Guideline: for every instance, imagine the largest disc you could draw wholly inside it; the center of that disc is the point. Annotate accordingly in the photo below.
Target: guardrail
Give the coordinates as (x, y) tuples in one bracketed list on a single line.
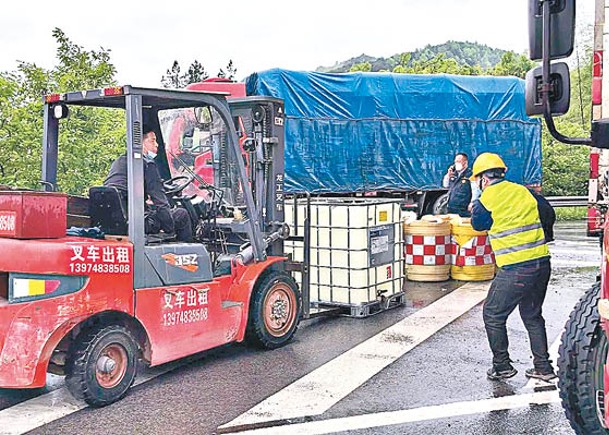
[(567, 201)]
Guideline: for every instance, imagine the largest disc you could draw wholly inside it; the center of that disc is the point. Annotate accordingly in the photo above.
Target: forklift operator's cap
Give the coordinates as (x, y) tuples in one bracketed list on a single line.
[(485, 162)]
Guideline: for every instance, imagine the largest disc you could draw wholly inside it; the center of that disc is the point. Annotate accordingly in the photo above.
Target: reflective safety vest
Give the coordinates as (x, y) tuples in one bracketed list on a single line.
[(516, 234)]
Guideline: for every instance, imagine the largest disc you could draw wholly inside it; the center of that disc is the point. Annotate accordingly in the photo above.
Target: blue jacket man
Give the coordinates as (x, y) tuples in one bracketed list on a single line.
[(459, 186)]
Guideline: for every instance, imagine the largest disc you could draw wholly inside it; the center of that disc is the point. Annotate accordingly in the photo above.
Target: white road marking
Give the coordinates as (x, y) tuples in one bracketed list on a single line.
[(580, 248), (38, 411), (44, 409), (588, 241), (575, 263), (591, 251), (322, 388), (383, 419)]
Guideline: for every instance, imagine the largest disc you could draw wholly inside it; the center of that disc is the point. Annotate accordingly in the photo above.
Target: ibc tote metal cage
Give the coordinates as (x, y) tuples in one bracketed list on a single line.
[(354, 264)]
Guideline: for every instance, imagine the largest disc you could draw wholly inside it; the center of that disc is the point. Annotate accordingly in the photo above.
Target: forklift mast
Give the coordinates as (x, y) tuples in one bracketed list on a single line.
[(263, 121)]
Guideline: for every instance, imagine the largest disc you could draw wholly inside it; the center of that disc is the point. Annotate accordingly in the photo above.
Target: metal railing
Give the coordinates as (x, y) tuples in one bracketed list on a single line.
[(568, 201)]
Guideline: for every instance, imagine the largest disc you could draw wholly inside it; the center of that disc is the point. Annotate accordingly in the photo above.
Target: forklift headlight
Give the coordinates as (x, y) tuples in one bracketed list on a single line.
[(27, 287), (60, 111)]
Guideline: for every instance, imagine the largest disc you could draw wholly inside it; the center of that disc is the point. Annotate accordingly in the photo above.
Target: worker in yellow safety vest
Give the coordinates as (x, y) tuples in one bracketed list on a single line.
[(519, 225)]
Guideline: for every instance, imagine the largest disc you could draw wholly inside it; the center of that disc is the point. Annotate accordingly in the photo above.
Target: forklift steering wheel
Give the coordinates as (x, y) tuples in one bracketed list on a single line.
[(177, 184)]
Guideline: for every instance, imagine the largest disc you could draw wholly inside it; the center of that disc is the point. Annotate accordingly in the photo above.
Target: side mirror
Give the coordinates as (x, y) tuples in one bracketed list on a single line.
[(203, 117), (560, 90), (600, 133), (562, 28)]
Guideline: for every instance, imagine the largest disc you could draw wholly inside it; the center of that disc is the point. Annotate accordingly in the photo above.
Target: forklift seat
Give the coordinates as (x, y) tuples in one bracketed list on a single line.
[(107, 210)]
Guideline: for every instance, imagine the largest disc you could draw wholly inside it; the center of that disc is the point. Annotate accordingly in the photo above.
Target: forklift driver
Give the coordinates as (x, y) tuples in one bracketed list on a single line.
[(159, 214)]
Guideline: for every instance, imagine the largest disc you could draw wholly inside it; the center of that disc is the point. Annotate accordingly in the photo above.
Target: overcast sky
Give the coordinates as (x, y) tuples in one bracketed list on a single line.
[(145, 37)]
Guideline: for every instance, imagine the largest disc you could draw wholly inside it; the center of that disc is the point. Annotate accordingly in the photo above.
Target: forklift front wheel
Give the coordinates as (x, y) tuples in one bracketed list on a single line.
[(102, 365), (274, 311)]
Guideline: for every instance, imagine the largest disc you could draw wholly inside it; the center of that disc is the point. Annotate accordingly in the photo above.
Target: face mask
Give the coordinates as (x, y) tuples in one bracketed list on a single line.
[(151, 155), (458, 167), (476, 192)]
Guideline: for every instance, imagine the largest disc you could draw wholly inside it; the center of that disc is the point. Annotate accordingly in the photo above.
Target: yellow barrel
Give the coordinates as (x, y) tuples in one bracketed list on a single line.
[(473, 258), (427, 249)]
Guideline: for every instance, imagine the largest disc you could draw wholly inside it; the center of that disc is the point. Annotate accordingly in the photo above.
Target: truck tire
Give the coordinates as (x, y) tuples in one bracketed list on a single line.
[(440, 205), (275, 310), (102, 365), (581, 361)]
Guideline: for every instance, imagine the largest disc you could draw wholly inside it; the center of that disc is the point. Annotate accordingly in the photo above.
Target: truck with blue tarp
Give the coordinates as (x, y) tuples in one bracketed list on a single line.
[(396, 134)]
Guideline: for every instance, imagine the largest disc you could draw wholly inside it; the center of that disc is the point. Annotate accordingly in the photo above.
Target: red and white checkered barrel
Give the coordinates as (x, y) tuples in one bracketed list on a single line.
[(428, 249), (473, 258)]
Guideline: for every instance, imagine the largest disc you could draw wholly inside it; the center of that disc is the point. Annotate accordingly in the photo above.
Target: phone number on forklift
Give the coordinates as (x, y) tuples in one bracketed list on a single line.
[(186, 316), (99, 268)]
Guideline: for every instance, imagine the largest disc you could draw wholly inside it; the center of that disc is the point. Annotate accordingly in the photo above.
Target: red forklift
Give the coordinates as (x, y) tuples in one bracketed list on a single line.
[(93, 305)]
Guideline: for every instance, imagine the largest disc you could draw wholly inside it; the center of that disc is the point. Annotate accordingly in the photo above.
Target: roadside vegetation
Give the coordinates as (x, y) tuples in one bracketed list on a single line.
[(570, 213)]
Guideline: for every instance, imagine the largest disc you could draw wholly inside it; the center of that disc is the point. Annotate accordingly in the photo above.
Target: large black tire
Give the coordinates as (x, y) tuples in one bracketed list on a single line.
[(102, 365), (440, 205), (581, 361), (275, 310)]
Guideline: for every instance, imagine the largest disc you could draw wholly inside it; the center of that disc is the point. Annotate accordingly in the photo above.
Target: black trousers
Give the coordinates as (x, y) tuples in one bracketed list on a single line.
[(181, 223), (522, 286)]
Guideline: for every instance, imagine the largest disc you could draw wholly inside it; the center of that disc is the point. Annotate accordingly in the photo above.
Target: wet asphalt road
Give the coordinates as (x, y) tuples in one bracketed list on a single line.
[(449, 367)]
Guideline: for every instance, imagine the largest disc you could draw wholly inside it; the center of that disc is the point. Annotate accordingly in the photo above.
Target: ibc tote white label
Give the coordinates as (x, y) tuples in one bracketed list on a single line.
[(7, 223), (379, 244)]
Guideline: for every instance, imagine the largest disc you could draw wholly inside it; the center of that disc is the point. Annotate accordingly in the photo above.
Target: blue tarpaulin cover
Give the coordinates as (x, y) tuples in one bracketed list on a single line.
[(359, 132)]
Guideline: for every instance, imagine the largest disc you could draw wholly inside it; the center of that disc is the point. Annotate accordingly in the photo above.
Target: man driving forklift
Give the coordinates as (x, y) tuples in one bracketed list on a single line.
[(159, 214)]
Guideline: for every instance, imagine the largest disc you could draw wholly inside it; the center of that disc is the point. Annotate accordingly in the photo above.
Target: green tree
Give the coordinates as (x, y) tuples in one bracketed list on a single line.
[(361, 67), (512, 64), (173, 78), (439, 64), (89, 139), (230, 72), (196, 73), (565, 167), (402, 64)]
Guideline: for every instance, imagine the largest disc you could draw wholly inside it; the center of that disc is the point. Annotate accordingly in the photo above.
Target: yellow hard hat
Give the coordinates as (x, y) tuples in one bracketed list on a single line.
[(486, 161)]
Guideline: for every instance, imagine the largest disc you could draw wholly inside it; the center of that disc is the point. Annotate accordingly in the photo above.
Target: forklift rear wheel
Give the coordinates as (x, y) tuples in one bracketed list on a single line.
[(581, 364), (274, 311), (102, 365)]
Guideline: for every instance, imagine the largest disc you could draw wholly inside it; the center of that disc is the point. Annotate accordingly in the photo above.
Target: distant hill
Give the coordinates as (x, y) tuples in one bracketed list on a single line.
[(465, 53)]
